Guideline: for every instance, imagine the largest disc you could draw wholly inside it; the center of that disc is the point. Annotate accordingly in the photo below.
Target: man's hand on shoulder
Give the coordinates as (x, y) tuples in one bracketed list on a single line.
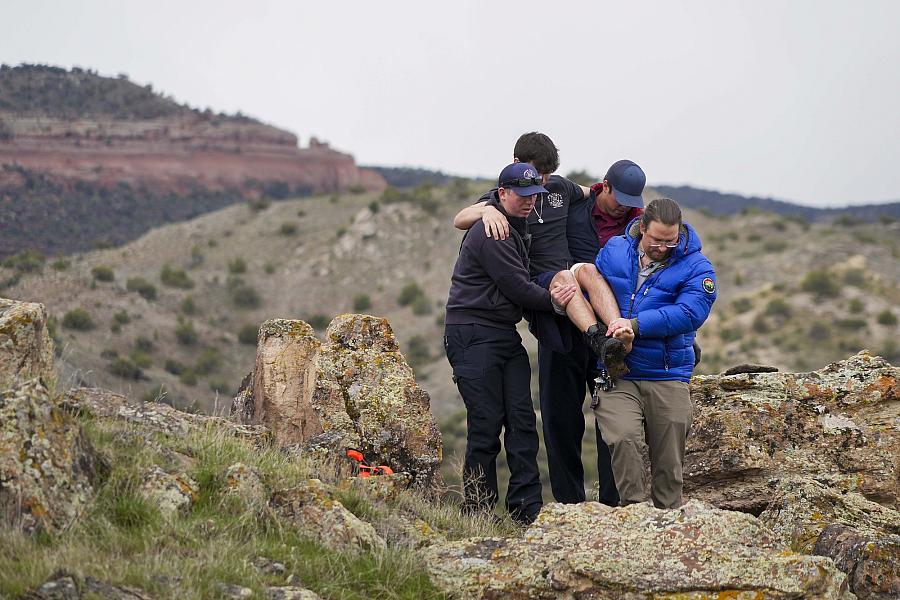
[(496, 225)]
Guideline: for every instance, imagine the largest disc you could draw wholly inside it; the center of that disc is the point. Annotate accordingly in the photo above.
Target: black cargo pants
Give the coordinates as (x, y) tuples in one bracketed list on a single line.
[(493, 375)]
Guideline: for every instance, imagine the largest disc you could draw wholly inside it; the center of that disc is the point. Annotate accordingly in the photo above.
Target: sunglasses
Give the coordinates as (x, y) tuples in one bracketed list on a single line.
[(522, 182)]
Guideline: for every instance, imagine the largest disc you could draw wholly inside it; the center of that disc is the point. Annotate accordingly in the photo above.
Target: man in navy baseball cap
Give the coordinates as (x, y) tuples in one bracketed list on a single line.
[(627, 181), (522, 178)]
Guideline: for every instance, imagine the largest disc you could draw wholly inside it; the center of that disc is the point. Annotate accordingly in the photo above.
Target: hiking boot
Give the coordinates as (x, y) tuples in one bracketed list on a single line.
[(609, 350)]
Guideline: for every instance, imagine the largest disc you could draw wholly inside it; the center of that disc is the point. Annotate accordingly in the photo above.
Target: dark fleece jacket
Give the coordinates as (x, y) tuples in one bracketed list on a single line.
[(490, 283)]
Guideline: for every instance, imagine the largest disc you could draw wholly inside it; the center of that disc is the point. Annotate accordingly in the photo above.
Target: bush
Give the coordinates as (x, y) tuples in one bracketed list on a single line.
[(209, 361), (26, 261), (258, 204), (121, 317), (856, 306), (374, 206), (245, 296), (103, 273), (175, 277), (188, 306), (269, 268), (362, 302), (237, 266), (417, 352), (318, 321), (741, 305), (188, 377), (852, 323), (144, 344), (774, 246), (141, 359), (143, 287), (78, 319), (220, 386), (288, 229), (421, 306), (730, 334), (186, 334), (248, 334), (409, 294), (174, 367), (821, 283), (61, 264), (855, 277), (887, 317), (124, 368), (778, 307)]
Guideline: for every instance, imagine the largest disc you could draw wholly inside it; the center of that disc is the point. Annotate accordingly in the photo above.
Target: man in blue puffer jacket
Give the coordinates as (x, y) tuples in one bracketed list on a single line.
[(665, 288)]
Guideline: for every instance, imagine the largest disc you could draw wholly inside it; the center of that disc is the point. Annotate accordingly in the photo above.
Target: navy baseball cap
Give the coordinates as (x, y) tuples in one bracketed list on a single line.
[(521, 177), (627, 181)]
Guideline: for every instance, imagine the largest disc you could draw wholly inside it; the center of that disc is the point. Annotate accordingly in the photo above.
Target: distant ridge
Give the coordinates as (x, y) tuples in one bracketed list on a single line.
[(719, 204), (407, 177)]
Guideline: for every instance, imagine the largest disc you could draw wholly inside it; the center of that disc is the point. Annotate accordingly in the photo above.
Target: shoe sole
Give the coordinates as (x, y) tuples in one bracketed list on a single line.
[(614, 358)]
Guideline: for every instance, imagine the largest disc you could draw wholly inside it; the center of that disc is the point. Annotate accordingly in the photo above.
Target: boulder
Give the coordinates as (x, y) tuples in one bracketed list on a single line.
[(316, 513), (47, 465), (25, 347), (355, 390), (172, 494), (290, 593), (244, 482), (68, 586), (840, 424), (590, 550), (862, 537)]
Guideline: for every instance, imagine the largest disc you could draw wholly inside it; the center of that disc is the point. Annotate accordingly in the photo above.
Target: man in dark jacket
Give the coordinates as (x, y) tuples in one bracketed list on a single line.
[(489, 288), (666, 289)]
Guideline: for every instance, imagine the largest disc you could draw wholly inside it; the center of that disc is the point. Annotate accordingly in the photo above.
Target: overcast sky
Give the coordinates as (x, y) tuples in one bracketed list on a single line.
[(796, 100)]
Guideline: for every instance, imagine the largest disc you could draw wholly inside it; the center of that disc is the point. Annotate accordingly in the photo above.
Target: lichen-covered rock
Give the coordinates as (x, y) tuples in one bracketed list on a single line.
[(355, 390), (172, 494), (590, 550), (244, 482), (316, 513), (291, 593), (840, 423), (68, 586), (26, 351), (862, 537), (47, 465)]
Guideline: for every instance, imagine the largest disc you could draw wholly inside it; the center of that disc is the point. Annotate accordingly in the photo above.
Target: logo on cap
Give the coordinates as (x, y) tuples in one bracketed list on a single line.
[(529, 173)]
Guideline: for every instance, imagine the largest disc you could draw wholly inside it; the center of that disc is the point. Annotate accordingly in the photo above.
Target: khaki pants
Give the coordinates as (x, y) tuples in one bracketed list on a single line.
[(655, 414)]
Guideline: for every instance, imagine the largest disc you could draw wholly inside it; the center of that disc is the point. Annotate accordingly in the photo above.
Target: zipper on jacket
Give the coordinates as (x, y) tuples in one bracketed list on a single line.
[(666, 354)]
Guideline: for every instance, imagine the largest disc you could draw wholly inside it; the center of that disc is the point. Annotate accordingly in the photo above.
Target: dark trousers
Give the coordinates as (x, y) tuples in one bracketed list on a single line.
[(493, 375), (564, 379)]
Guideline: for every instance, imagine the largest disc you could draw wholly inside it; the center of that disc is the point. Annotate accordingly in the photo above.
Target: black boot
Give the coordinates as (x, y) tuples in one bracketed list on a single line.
[(609, 350)]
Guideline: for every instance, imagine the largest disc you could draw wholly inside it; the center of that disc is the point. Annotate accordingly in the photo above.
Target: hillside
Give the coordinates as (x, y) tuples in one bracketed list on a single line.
[(87, 160), (792, 294)]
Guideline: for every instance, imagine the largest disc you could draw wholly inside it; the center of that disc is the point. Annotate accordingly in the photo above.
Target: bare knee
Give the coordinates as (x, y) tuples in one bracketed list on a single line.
[(564, 278)]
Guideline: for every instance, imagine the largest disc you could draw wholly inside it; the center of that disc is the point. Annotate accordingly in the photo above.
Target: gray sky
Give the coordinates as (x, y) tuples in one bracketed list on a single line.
[(797, 100)]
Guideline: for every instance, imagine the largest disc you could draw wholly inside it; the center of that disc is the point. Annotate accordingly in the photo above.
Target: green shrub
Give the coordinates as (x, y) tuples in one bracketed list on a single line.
[(374, 206), (245, 296), (774, 246), (356, 189), (417, 352), (61, 264), (409, 294), (174, 367), (26, 261), (318, 321), (730, 334), (144, 344), (175, 277), (248, 334), (288, 229), (887, 317), (188, 306), (851, 323), (103, 273), (220, 386), (143, 287), (741, 305), (109, 353), (269, 268), (237, 266), (819, 331), (362, 302), (821, 283), (760, 323), (856, 306), (341, 232), (210, 360), (124, 368), (422, 306), (778, 307), (78, 319), (141, 359), (186, 334), (188, 377), (258, 204), (121, 317)]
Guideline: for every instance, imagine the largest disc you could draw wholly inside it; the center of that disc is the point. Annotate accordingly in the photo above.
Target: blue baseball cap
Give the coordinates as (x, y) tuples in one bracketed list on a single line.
[(522, 178), (627, 181)]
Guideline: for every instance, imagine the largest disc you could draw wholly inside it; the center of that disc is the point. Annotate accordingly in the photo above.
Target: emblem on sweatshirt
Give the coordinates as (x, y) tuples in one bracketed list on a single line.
[(555, 199), (709, 286)]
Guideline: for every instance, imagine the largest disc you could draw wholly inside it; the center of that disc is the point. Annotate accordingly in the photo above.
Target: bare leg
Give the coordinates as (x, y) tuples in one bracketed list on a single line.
[(601, 297), (578, 310)]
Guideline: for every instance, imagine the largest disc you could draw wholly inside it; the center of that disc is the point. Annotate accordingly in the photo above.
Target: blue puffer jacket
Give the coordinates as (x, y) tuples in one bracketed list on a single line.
[(671, 305)]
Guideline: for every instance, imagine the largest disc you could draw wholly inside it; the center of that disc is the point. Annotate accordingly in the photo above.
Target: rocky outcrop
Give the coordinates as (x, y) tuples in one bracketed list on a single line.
[(172, 494), (840, 424), (592, 551), (355, 390), (69, 586), (47, 466), (25, 347), (312, 509), (862, 537)]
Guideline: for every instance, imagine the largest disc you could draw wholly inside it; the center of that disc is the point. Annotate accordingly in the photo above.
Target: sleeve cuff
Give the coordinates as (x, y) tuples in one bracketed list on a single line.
[(634, 326)]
